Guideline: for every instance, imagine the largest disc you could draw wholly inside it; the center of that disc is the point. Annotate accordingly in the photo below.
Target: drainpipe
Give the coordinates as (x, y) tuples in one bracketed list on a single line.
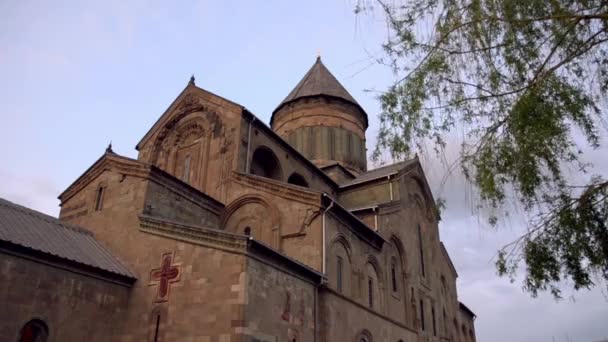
[(317, 330), (324, 247), (390, 185), (248, 145), (376, 219)]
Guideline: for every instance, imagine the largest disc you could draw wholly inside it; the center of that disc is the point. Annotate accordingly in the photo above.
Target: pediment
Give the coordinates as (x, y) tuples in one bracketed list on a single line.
[(192, 99)]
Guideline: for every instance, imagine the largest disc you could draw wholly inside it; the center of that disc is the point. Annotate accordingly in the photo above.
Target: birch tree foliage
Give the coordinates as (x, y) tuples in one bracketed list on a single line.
[(526, 80)]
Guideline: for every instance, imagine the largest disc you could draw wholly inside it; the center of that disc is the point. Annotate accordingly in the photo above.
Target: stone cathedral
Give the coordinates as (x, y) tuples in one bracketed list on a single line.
[(225, 229)]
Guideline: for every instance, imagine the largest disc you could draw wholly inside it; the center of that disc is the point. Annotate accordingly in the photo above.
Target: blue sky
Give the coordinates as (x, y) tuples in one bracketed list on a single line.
[(75, 75)]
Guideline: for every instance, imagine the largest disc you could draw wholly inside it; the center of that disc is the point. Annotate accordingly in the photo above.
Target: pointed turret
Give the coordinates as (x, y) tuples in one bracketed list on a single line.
[(323, 121)]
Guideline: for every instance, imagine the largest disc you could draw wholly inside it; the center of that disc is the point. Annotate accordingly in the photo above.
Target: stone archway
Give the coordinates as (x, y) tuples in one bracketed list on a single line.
[(254, 215)]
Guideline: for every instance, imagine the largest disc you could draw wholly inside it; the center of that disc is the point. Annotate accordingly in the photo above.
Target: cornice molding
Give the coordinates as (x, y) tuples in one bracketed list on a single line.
[(193, 234)]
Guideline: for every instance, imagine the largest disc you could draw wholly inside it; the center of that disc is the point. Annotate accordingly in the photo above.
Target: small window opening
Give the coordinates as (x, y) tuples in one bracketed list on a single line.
[(445, 323), (339, 273), (394, 277), (156, 329), (99, 198), (420, 246), (370, 292), (422, 315), (434, 322), (186, 174), (247, 231)]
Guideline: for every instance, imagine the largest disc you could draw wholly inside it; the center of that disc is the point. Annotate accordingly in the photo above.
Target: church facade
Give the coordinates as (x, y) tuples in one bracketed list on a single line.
[(225, 229)]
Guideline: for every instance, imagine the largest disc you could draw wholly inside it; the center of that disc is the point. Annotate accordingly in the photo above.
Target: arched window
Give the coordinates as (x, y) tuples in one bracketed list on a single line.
[(395, 275), (266, 164), (34, 331), (247, 231), (339, 266), (372, 293), (297, 179)]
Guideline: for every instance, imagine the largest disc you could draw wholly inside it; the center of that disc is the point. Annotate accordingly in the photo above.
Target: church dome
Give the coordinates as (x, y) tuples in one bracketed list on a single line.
[(323, 121)]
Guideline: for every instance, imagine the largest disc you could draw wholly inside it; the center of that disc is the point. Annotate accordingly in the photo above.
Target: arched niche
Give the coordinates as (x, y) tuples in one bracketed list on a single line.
[(297, 179), (396, 267), (254, 215), (265, 163)]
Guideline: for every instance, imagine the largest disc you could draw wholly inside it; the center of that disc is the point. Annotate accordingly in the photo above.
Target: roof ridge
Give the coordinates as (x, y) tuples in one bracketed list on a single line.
[(43, 216), (388, 165)]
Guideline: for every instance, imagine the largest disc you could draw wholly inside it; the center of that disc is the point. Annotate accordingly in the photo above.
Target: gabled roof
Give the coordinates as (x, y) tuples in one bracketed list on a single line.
[(467, 310), (42, 233), (318, 81)]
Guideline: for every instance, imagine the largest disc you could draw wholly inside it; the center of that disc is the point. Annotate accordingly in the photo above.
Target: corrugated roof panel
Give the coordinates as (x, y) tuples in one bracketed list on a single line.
[(26, 227)]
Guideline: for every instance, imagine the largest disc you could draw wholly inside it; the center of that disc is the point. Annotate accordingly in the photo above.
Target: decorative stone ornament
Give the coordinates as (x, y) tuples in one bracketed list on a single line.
[(164, 276)]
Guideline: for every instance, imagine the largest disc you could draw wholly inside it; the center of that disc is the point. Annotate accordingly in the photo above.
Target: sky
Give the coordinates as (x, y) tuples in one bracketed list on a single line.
[(75, 75)]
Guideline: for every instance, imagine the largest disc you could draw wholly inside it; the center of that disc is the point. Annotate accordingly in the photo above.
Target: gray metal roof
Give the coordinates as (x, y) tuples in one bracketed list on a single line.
[(380, 172), (34, 230), (319, 81)]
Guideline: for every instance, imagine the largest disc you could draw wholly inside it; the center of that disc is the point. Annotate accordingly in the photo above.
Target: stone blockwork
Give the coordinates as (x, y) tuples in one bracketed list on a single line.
[(346, 320), (209, 277), (75, 306), (280, 304)]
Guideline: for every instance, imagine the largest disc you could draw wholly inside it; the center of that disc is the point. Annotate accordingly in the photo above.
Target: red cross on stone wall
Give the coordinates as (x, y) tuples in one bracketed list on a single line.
[(165, 275)]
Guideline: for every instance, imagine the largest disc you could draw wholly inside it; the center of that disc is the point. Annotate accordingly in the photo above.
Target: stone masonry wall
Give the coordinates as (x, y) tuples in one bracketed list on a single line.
[(280, 306), (163, 201), (75, 307)]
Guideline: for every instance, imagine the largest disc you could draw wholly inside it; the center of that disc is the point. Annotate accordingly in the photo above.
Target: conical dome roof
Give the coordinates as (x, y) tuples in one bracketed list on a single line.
[(318, 81)]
